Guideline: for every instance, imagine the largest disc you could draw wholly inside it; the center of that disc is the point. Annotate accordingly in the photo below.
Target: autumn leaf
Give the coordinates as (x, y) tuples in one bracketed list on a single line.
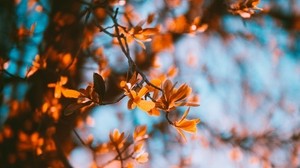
[(139, 34), (37, 64), (69, 93), (186, 125), (138, 147), (173, 97), (244, 8), (130, 165), (117, 138), (136, 98), (88, 95), (60, 90), (154, 112), (103, 148), (140, 133), (142, 158)]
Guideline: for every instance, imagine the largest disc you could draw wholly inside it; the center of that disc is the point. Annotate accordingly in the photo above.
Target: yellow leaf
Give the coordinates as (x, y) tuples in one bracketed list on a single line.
[(172, 71), (150, 31), (103, 148), (131, 105), (146, 105), (154, 112), (143, 158), (123, 84), (184, 124), (142, 92), (130, 165), (255, 2), (51, 85), (69, 93), (63, 80), (138, 147), (139, 132), (57, 91), (133, 95), (188, 125), (45, 107), (182, 92), (117, 137)]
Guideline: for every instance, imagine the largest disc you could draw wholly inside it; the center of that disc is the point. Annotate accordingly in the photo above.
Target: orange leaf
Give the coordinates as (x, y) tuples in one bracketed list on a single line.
[(139, 132), (130, 165), (138, 147), (57, 91), (154, 112), (143, 158), (131, 105), (146, 105), (188, 125), (117, 137), (69, 93), (63, 80), (150, 31), (142, 92), (172, 72)]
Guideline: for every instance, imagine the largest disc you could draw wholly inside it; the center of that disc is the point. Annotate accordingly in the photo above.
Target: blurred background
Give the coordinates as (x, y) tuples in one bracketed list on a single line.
[(241, 61)]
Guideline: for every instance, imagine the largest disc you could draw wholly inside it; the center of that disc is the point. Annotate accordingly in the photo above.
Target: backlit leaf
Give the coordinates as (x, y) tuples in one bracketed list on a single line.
[(139, 132), (69, 93), (146, 105), (143, 158)]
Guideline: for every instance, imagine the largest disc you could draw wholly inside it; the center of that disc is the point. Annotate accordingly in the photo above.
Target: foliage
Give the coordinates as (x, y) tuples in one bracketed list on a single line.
[(54, 112)]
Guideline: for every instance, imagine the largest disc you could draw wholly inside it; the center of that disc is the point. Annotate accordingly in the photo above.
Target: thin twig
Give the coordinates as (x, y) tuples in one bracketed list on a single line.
[(113, 102), (168, 119)]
